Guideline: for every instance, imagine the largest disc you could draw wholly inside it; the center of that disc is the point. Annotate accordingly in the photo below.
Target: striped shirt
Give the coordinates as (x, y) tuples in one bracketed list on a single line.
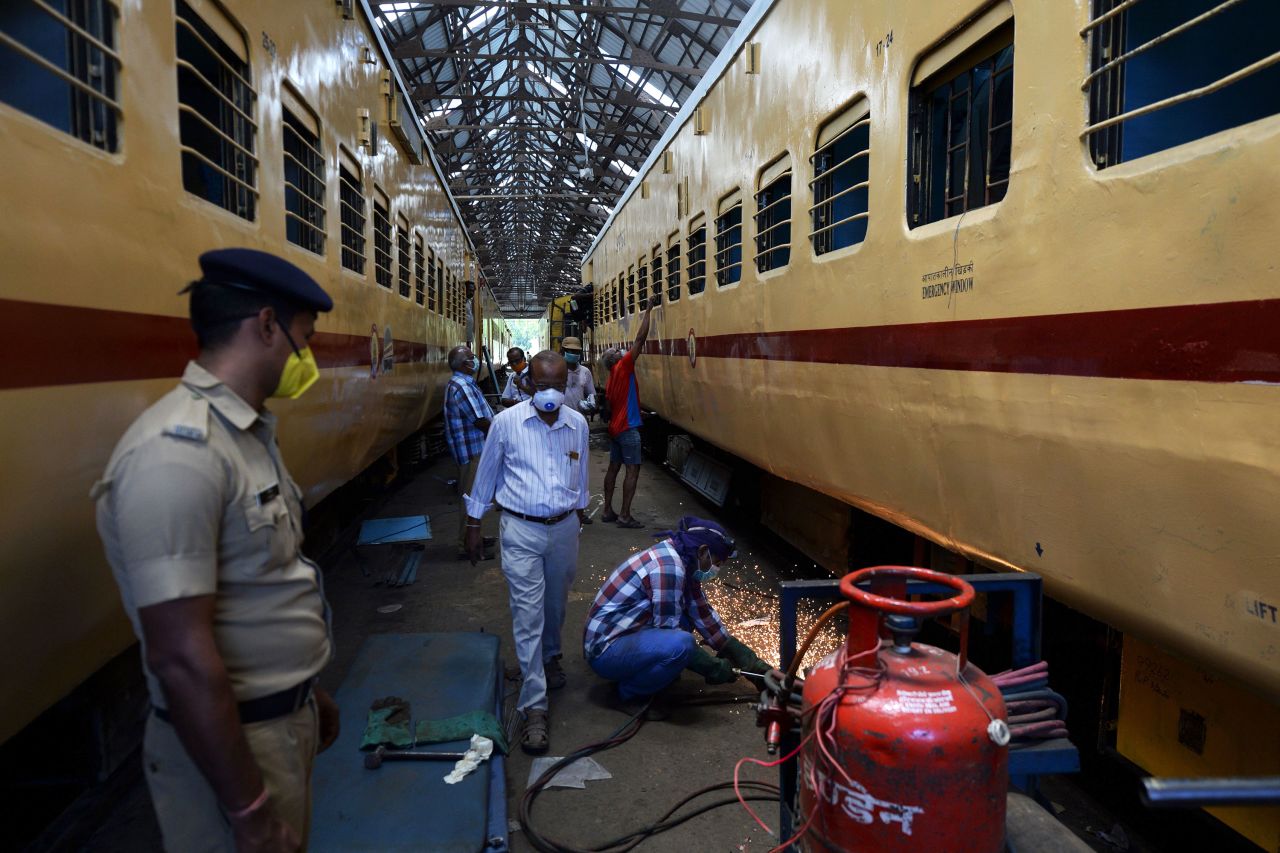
[(532, 468), (650, 590), (464, 404), (581, 386)]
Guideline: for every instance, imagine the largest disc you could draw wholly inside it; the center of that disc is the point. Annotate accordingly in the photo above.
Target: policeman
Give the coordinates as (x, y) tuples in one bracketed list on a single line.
[(202, 526)]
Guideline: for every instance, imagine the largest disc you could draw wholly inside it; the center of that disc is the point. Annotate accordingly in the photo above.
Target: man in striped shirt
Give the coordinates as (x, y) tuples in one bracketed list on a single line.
[(637, 632), (534, 467), (466, 422)]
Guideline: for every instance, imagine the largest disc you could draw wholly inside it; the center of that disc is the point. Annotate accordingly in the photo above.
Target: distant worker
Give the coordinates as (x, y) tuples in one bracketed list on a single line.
[(470, 314), (202, 526), (467, 417), (581, 392), (517, 388), (623, 395), (637, 631), (534, 467)]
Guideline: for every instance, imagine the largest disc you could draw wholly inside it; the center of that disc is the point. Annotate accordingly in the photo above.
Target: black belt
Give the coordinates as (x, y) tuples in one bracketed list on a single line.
[(555, 519), (264, 707)]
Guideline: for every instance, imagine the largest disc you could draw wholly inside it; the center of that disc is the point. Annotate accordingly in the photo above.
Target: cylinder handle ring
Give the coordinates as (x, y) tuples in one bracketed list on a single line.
[(884, 604)]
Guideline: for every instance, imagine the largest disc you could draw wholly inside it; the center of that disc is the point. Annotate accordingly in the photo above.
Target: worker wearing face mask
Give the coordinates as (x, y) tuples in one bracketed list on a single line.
[(517, 387), (202, 526), (580, 393), (638, 629), (534, 466)]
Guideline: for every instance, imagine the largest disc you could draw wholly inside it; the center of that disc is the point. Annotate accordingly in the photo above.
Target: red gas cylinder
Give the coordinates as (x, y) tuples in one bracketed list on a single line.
[(900, 752)]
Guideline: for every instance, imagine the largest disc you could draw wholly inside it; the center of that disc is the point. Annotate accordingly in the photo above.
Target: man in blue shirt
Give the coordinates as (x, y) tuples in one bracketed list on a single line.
[(466, 423)]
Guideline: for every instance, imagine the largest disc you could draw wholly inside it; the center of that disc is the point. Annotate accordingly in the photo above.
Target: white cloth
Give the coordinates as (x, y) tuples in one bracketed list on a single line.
[(512, 390), (532, 468), (581, 386), (539, 562)]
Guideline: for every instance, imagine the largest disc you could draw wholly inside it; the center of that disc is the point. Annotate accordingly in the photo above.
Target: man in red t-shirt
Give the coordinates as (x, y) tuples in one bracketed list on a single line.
[(624, 426)]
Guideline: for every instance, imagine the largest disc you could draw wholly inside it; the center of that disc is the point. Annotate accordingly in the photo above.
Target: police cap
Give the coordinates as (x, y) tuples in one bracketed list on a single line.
[(250, 269)]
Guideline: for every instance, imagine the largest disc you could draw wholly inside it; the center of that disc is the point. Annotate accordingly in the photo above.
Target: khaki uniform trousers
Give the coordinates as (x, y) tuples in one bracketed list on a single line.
[(466, 479), (186, 807)]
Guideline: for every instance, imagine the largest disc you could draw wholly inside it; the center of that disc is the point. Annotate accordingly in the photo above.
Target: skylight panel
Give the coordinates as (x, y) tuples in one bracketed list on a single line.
[(635, 77)]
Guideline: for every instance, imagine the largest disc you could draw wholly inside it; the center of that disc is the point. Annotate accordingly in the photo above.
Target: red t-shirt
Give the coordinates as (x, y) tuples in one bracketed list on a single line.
[(623, 394)]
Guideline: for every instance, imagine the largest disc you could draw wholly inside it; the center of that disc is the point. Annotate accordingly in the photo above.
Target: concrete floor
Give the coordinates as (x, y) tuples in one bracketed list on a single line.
[(698, 746)]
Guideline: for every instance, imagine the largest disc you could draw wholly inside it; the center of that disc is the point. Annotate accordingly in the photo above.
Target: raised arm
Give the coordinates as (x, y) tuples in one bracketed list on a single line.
[(642, 335)]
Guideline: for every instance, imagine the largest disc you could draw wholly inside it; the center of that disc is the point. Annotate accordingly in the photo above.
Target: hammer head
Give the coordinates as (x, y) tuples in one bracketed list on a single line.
[(373, 760)]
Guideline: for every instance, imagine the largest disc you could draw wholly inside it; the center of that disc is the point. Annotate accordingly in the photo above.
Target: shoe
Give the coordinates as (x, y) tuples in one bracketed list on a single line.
[(609, 517), (555, 674), (630, 524), (535, 741)]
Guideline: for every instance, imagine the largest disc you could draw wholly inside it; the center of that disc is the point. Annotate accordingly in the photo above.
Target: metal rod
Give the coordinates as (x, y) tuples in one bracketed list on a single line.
[(1214, 791)]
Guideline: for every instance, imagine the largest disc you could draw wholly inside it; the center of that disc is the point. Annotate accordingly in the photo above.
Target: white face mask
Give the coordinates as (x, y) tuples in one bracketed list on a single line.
[(548, 400)]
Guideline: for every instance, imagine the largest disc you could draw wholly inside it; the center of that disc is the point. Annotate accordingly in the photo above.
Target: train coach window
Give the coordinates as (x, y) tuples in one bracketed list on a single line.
[(419, 285), (1166, 73), (440, 305), (431, 280), (402, 256), (697, 254), (303, 175), (729, 239), (642, 285), (962, 120), (381, 239), (352, 212), (217, 132), (58, 63), (630, 306), (673, 267), (773, 216), (656, 274), (841, 180)]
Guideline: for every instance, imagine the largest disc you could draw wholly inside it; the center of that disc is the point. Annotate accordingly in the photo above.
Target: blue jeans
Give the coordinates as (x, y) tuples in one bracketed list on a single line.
[(643, 662), (626, 447)]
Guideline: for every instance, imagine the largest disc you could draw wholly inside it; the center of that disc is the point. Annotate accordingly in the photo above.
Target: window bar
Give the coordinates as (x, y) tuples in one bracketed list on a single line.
[(825, 173), (1101, 19), (216, 54), (79, 30), (187, 149), (1190, 95), (1181, 28), (963, 198), (862, 122), (834, 225), (59, 72), (849, 189)]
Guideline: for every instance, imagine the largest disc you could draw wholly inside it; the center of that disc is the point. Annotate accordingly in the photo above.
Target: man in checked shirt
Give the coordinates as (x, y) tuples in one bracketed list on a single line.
[(637, 631)]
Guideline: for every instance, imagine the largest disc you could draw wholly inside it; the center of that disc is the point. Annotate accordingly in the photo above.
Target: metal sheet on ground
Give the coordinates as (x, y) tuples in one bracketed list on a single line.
[(441, 675)]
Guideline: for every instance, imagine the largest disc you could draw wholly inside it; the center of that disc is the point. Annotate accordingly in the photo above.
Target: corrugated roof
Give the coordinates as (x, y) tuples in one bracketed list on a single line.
[(541, 111)]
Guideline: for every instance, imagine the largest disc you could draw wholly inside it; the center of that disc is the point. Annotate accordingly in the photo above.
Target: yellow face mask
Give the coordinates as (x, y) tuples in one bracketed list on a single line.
[(300, 373)]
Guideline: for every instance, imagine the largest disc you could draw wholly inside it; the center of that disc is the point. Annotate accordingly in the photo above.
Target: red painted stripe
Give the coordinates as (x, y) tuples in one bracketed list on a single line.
[(1217, 342), (42, 344)]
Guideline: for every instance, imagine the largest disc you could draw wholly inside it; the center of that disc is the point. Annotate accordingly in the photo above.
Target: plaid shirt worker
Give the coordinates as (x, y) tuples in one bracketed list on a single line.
[(650, 590), (464, 404)]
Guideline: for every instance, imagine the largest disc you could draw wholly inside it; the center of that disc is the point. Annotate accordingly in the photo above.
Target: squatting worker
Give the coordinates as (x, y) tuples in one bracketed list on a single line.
[(623, 395), (466, 422), (637, 631), (517, 388), (534, 466), (202, 526)]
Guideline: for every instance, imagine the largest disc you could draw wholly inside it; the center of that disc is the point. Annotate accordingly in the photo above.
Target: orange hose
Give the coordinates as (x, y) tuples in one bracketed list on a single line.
[(813, 635)]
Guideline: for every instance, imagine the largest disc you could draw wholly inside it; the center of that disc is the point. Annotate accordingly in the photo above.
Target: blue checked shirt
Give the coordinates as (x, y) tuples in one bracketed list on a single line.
[(464, 404), (650, 590)]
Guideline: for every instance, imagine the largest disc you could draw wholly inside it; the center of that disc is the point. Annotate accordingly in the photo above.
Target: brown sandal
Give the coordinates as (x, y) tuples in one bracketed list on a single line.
[(535, 740)]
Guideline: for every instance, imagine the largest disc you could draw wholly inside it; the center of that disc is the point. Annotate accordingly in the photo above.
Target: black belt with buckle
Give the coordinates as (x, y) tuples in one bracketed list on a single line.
[(555, 519), (264, 707)]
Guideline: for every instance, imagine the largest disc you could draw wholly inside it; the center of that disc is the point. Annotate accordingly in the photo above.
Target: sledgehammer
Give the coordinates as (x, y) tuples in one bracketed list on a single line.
[(373, 760)]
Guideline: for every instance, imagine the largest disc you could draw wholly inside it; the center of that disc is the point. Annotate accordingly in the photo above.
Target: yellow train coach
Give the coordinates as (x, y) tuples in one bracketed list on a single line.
[(1003, 274), (135, 137)]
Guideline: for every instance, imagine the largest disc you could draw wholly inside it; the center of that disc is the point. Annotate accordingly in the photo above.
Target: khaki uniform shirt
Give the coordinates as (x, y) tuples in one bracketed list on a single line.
[(196, 501)]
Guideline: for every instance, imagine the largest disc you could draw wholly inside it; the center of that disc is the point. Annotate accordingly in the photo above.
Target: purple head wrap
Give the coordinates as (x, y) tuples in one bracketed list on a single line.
[(692, 533)]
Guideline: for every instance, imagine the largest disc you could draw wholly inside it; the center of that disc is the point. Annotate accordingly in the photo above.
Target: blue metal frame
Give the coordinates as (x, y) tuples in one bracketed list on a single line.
[(1026, 590)]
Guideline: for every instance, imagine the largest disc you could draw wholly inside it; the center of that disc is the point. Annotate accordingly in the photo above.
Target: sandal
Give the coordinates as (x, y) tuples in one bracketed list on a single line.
[(535, 740), (609, 517), (630, 524)]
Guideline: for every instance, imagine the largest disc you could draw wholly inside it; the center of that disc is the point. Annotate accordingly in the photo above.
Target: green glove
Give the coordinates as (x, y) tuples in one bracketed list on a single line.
[(714, 670), (743, 658)]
